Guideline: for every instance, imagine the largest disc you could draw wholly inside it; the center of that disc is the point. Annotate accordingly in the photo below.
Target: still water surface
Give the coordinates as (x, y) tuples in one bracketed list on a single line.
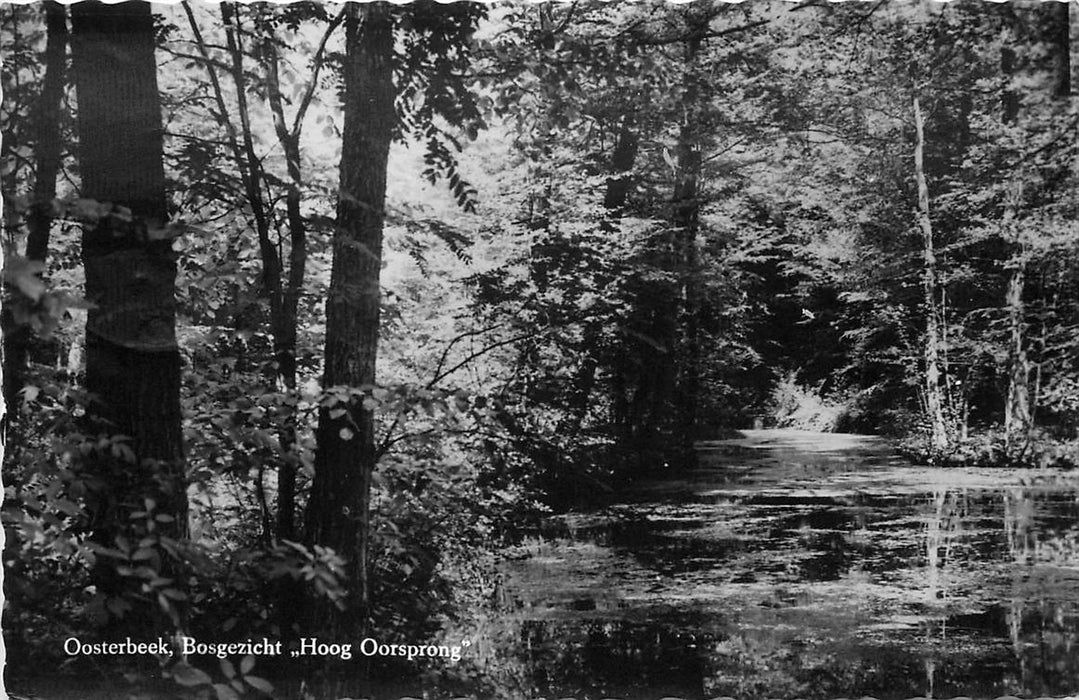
[(797, 565)]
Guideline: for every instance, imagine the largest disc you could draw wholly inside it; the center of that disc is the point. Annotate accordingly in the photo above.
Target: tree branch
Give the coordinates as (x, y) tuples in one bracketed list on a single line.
[(699, 35), (502, 343), (316, 66), (462, 336)]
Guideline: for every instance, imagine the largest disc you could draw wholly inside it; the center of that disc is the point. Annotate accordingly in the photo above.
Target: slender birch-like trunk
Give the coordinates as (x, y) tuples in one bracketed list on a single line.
[(934, 394)]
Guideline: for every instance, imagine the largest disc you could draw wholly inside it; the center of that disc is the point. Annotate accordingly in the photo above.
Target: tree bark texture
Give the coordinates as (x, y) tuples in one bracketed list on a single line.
[(934, 395), (1017, 413), (339, 508), (132, 357)]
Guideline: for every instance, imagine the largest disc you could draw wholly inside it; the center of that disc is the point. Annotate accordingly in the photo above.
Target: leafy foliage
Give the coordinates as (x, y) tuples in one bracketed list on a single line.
[(611, 230)]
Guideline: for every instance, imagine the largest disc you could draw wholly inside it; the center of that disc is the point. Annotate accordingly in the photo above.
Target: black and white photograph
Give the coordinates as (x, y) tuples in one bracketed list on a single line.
[(578, 350)]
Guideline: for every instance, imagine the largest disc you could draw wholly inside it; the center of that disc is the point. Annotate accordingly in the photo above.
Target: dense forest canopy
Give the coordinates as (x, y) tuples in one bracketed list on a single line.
[(310, 308)]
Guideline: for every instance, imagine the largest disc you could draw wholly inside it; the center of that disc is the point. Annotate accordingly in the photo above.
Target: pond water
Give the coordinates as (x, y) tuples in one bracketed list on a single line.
[(797, 565)]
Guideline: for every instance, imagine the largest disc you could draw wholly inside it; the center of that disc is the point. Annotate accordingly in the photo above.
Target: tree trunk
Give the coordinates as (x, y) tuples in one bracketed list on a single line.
[(283, 295), (687, 207), (255, 180), (1018, 408), (132, 357), (934, 396), (614, 203), (1017, 416), (47, 117), (285, 323), (1060, 42), (1009, 98), (338, 512)]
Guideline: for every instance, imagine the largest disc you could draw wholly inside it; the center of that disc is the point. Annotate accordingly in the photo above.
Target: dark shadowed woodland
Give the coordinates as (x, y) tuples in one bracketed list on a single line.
[(628, 350)]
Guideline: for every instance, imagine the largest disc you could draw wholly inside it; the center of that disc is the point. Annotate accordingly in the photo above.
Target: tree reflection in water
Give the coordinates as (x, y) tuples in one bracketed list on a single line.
[(800, 570)]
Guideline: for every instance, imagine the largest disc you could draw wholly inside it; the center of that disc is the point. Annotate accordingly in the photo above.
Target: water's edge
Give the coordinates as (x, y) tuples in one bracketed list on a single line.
[(798, 564)]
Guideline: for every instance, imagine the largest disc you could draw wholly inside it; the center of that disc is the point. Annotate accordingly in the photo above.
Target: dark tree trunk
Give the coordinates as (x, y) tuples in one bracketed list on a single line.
[(619, 185), (1009, 98), (686, 218), (254, 181), (620, 182), (283, 295), (1059, 36), (285, 322), (47, 117), (338, 512), (133, 361)]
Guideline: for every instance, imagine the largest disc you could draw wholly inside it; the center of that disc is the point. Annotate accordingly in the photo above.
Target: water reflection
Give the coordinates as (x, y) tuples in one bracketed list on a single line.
[(792, 566)]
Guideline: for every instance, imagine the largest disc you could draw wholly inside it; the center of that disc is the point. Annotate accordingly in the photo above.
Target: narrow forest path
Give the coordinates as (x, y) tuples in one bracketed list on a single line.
[(795, 564)]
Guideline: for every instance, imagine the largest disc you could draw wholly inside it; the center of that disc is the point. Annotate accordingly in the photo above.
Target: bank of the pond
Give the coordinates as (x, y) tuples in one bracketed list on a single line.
[(990, 450)]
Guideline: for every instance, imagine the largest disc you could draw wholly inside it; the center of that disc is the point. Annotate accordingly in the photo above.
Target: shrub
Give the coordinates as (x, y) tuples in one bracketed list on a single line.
[(987, 448), (795, 405)]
